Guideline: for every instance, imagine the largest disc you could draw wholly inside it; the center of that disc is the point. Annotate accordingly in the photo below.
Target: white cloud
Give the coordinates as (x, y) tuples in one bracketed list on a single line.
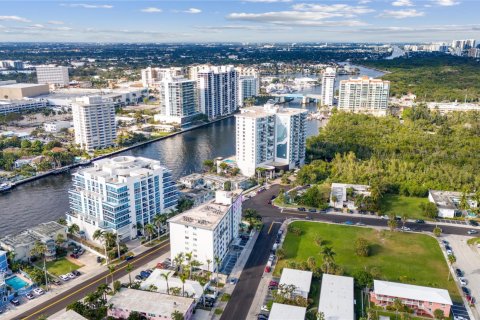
[(87, 5), (56, 22), (268, 1), (401, 14), (364, 1), (345, 9), (193, 11), (151, 10), (402, 3), (446, 3), (13, 18)]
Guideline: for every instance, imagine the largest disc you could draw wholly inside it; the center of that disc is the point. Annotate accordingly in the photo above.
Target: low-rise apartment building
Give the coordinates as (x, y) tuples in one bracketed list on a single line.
[(284, 311), (207, 230), (342, 195), (336, 297), (448, 202), (423, 300), (301, 279), (150, 305)]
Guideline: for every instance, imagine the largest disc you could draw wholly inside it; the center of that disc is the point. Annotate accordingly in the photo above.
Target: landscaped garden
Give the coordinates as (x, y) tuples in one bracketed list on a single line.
[(392, 256), (60, 266)]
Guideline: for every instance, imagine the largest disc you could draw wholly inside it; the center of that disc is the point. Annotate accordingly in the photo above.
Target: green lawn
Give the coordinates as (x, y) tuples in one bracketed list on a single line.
[(399, 257), (60, 266), (400, 205)]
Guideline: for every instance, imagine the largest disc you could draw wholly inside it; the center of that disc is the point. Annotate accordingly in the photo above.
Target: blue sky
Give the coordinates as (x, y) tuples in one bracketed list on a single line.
[(239, 21)]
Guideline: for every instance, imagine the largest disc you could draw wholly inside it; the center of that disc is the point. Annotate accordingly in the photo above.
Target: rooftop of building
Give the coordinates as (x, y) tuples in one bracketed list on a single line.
[(22, 85), (47, 228), (365, 78), (356, 187), (299, 278), (18, 239), (192, 176), (205, 216), (267, 110), (411, 292), (113, 169), (336, 297), (284, 311), (67, 315), (150, 302)]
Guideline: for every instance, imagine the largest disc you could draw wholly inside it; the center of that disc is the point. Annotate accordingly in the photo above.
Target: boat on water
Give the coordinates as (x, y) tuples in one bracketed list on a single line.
[(4, 187)]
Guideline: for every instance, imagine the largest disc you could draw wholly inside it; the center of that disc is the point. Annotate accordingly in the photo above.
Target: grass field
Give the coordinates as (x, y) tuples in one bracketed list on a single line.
[(399, 257), (400, 205), (60, 266)]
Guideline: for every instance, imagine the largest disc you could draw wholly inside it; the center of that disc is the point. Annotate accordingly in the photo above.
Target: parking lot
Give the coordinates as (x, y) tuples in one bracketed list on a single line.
[(468, 261), (460, 312)]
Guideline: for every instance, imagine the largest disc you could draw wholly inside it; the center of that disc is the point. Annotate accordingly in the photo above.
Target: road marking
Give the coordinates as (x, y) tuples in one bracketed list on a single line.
[(297, 213), (270, 229), (96, 281)]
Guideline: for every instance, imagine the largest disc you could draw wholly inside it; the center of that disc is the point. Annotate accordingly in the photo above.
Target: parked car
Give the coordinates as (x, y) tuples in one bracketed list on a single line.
[(64, 277), (233, 280), (405, 229), (273, 283), (472, 231), (445, 242), (360, 224), (449, 252), (139, 277), (466, 290), (312, 210), (458, 272), (264, 308), (15, 302), (74, 255), (470, 299), (473, 223), (70, 275), (99, 259), (308, 218), (38, 291), (463, 281), (261, 316), (128, 258), (302, 209), (29, 296), (349, 223), (420, 221), (76, 273), (268, 269), (144, 274), (56, 282)]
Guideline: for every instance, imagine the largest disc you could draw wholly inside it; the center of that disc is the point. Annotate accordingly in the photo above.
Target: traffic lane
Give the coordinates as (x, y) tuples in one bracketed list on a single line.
[(246, 287), (78, 292)]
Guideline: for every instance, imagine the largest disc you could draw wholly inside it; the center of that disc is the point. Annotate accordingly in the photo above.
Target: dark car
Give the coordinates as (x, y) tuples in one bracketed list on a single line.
[(99, 259), (74, 255), (420, 221), (302, 209), (473, 223), (144, 274), (466, 290), (15, 302), (138, 277), (458, 272), (312, 210), (76, 273), (128, 258)]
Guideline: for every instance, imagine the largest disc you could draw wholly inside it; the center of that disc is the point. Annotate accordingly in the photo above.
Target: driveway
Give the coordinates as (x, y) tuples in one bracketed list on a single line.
[(468, 260)]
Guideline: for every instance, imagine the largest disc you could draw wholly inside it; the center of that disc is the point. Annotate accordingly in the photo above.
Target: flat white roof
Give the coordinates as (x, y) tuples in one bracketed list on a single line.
[(299, 278), (284, 311), (67, 315), (408, 291), (22, 85), (336, 297), (150, 302)]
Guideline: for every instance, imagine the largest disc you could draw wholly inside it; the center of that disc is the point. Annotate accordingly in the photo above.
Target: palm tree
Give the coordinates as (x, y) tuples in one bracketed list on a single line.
[(111, 269), (158, 221), (328, 257), (73, 228), (149, 230), (183, 279), (451, 260), (334, 200), (209, 261), (188, 259), (152, 288), (398, 306), (103, 289), (129, 269), (217, 269), (101, 235), (392, 222), (178, 260), (166, 276), (140, 227), (40, 249)]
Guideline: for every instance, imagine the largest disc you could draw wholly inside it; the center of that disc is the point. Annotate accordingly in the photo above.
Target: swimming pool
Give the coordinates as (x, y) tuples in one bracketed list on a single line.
[(229, 161), (16, 283)]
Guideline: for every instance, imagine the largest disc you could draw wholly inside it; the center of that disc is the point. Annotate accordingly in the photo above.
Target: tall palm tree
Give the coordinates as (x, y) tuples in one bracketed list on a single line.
[(111, 269), (129, 269), (328, 257), (158, 221), (73, 228), (183, 279), (102, 236), (209, 262), (178, 260), (166, 276), (40, 249), (188, 259), (217, 269), (451, 260), (149, 230)]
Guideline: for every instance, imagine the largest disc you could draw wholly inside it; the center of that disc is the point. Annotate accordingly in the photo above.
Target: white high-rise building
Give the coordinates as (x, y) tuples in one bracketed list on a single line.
[(463, 44), (218, 90), (94, 122), (248, 86), (120, 193), (53, 75), (178, 100), (270, 136), (364, 95), (328, 86), (151, 77), (207, 231)]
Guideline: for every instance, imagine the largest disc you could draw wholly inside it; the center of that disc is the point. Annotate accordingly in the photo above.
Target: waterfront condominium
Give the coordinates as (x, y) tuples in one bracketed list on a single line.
[(364, 95), (94, 122), (218, 90), (328, 86), (178, 100), (53, 75), (207, 231), (271, 137), (248, 86), (120, 195), (151, 77)]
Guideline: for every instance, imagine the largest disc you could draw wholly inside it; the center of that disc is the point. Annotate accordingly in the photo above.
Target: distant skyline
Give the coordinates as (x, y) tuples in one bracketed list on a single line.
[(239, 21)]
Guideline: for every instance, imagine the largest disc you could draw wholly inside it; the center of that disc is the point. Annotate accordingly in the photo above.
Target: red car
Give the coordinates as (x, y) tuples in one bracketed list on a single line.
[(273, 283), (267, 269), (470, 299)]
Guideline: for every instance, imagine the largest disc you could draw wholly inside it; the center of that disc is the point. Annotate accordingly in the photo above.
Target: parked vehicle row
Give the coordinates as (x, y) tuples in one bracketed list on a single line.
[(30, 296), (70, 275), (144, 274)]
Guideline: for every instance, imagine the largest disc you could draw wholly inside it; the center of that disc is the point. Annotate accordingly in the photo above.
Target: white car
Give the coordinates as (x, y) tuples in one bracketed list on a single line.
[(264, 308), (449, 252), (38, 291), (463, 281), (71, 275), (64, 277), (406, 229)]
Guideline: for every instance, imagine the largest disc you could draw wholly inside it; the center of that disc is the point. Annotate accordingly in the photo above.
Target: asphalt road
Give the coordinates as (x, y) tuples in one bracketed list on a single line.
[(62, 300), (244, 292)]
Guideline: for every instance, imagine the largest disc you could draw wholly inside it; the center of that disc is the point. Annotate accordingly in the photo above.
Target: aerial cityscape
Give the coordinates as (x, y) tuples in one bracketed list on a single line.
[(240, 160)]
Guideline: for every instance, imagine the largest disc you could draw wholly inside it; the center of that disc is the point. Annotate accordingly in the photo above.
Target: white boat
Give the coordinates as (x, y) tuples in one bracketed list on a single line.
[(4, 187)]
